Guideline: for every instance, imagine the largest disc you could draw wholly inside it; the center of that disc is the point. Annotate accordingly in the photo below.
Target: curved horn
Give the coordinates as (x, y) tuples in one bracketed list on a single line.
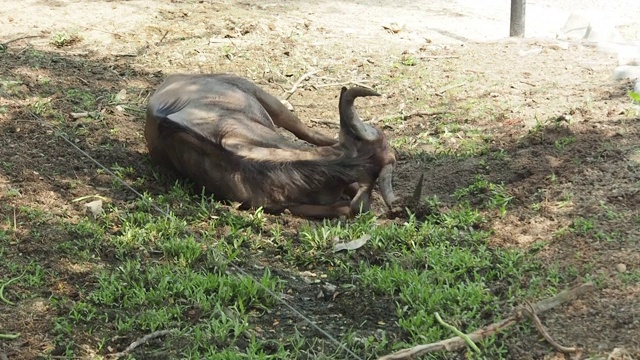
[(384, 182), (349, 118)]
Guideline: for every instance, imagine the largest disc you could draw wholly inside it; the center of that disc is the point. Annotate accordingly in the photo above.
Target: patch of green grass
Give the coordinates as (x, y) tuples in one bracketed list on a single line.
[(563, 142), (81, 100), (630, 277), (41, 107), (493, 196), (64, 39), (13, 192), (153, 272)]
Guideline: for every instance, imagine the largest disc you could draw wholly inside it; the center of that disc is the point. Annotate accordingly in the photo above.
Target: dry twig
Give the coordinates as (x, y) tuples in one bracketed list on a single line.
[(293, 89), (348, 83), (162, 38), (437, 57), (4, 44), (326, 122), (15, 219), (531, 313), (141, 341), (457, 342), (411, 114), (447, 88), (102, 30)]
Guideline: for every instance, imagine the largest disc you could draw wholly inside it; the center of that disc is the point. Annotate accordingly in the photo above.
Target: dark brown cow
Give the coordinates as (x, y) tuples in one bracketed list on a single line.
[(219, 131)]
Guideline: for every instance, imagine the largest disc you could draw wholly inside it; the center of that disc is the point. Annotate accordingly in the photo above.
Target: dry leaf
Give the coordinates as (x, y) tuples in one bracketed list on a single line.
[(352, 245), (394, 27), (94, 207)]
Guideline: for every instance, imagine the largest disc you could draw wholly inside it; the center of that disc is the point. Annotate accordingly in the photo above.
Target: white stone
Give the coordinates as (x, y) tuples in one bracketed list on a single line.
[(626, 72), (621, 267)]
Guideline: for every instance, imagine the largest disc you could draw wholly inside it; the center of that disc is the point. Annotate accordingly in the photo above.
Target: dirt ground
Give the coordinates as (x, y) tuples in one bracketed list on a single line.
[(584, 163)]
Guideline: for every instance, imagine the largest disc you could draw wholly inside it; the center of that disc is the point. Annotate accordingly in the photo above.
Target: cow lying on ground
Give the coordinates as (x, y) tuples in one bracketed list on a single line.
[(219, 131)]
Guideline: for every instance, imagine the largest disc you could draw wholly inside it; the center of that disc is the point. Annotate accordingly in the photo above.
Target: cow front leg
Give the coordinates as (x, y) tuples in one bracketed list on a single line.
[(336, 210)]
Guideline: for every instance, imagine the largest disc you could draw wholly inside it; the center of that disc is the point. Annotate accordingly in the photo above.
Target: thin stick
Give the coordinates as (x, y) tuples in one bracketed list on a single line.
[(530, 311), (356, 83), (457, 342), (302, 78), (412, 114), (15, 220), (163, 36), (4, 44), (102, 30), (141, 341), (447, 88), (83, 80), (437, 57), (326, 122)]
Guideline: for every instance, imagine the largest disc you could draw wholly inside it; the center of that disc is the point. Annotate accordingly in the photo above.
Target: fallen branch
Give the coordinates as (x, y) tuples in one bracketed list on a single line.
[(457, 342), (459, 333), (141, 341), (531, 313), (293, 89)]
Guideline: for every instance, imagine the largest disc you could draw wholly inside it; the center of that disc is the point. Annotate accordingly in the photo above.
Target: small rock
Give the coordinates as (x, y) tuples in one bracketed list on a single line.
[(621, 268), (122, 95), (330, 288), (94, 207), (627, 72), (559, 45), (530, 52)]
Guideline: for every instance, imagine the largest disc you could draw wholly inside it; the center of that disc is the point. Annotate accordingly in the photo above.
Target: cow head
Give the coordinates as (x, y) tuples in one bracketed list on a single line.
[(357, 136)]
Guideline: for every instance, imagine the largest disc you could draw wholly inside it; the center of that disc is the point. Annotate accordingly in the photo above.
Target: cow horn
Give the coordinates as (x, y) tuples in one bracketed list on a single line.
[(349, 118), (417, 192), (384, 182)]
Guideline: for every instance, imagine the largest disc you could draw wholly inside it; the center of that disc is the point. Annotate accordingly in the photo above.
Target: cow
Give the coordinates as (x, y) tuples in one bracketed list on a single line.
[(219, 131)]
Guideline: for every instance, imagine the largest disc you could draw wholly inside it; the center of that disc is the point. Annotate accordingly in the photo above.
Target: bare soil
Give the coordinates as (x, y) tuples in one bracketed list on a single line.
[(501, 92)]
